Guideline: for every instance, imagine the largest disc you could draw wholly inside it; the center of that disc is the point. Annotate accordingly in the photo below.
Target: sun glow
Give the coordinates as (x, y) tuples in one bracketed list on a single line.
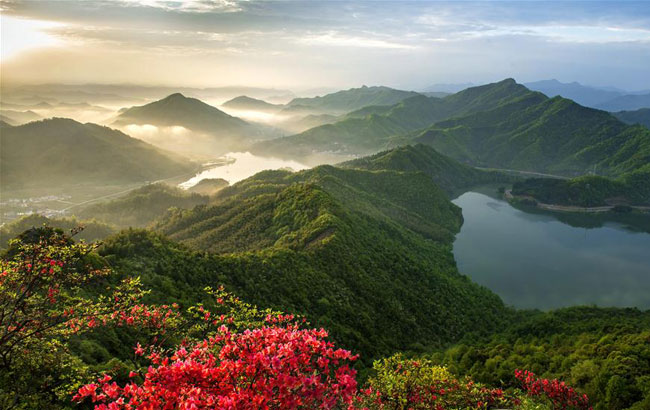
[(19, 35)]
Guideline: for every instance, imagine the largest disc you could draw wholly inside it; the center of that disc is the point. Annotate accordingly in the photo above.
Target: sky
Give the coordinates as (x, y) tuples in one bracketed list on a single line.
[(303, 44)]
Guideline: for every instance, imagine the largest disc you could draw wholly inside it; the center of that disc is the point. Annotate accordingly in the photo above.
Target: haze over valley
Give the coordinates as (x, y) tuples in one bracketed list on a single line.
[(364, 205)]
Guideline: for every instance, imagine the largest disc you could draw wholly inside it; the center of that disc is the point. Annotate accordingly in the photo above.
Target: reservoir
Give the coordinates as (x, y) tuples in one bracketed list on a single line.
[(544, 260), (241, 165)]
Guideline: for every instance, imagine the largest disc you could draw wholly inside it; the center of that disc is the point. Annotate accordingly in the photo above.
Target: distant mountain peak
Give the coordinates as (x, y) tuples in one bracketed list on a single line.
[(175, 96)]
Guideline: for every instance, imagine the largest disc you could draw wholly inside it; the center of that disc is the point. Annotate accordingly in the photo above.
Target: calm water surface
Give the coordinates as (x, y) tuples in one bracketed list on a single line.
[(241, 165), (536, 261)]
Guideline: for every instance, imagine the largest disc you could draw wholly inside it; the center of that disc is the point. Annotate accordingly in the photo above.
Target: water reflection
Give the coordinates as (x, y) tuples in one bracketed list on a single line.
[(241, 165), (539, 260)]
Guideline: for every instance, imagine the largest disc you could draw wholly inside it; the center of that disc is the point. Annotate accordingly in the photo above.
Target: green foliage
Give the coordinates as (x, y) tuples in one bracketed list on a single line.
[(374, 128), (605, 353), (448, 174), (365, 254), (92, 230), (51, 289), (209, 186), (401, 383), (535, 133), (141, 206), (60, 152), (640, 116), (588, 191)]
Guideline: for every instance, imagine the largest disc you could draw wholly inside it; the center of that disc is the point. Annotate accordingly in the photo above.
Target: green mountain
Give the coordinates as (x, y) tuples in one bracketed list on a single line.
[(59, 151), (366, 254), (193, 114), (209, 186), (632, 188), (252, 104), (448, 174), (141, 206), (640, 116), (349, 100), (93, 230), (536, 133), (373, 128), (212, 131)]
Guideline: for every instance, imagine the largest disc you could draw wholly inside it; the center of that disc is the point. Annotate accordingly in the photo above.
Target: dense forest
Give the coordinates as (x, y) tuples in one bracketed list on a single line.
[(362, 250), (141, 206), (632, 188)]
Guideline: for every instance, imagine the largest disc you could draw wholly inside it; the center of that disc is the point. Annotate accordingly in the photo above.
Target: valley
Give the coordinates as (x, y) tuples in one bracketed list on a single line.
[(383, 221)]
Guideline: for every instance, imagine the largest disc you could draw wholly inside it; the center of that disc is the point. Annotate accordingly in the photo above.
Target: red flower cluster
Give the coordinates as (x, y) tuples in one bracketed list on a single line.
[(561, 396), (271, 367)]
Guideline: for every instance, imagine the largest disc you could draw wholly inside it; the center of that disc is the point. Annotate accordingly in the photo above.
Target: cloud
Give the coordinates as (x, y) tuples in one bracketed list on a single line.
[(333, 43), (191, 6), (335, 39)]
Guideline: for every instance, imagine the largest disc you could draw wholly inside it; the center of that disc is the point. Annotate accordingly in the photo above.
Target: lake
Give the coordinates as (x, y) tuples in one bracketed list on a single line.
[(241, 165), (535, 260)]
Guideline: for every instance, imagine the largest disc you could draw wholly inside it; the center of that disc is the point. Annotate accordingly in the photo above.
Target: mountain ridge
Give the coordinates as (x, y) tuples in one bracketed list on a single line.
[(70, 152)]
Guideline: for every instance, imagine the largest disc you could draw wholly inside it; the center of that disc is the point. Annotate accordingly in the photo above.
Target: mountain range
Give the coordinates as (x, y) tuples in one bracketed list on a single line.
[(537, 133), (211, 131), (59, 152), (640, 116), (13, 117), (500, 125), (601, 98), (364, 253), (178, 110), (344, 101), (370, 129)]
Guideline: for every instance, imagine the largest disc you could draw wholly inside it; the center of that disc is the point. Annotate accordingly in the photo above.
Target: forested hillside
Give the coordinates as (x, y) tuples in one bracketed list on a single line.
[(535, 133), (92, 230), (369, 130), (630, 189), (366, 254), (448, 174), (640, 116), (141, 206), (603, 352), (70, 153), (364, 251)]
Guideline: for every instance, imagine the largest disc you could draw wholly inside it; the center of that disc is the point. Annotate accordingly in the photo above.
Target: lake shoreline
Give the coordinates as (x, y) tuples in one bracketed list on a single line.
[(529, 200)]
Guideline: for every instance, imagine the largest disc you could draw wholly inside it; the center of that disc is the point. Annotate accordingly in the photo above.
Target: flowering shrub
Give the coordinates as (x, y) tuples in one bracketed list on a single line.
[(402, 383), (43, 295), (560, 396), (47, 283), (271, 367)]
